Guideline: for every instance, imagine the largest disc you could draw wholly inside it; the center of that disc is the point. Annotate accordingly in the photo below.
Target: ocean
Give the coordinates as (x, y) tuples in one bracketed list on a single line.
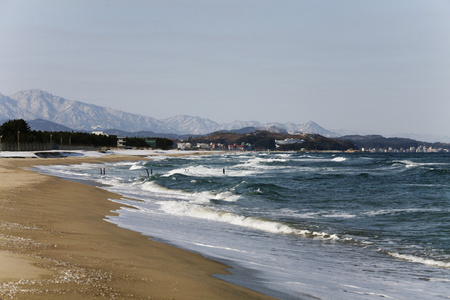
[(296, 225)]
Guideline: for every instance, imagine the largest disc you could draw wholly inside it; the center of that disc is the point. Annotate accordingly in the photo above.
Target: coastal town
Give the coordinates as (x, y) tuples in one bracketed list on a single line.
[(420, 149), (16, 135)]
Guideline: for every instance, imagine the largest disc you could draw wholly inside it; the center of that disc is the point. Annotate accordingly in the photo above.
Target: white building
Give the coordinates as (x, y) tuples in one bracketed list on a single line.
[(183, 146), (278, 143), (203, 146), (120, 142)]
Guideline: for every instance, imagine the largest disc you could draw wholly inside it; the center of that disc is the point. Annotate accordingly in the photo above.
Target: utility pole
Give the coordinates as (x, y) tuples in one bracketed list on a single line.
[(18, 143)]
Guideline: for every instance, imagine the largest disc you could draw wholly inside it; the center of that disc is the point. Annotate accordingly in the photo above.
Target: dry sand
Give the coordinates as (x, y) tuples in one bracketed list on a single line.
[(55, 244)]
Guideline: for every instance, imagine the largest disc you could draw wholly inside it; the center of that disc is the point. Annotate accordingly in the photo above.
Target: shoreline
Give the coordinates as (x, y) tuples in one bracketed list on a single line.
[(54, 235)]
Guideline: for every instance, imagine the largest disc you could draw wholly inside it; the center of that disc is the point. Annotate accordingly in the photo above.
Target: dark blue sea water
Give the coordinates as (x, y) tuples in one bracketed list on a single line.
[(298, 225)]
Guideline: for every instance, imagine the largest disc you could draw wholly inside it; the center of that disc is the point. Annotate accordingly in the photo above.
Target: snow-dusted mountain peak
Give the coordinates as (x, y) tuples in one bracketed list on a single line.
[(38, 104)]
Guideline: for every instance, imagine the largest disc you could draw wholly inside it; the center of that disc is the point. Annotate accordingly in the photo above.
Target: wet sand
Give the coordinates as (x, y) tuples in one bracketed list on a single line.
[(55, 244)]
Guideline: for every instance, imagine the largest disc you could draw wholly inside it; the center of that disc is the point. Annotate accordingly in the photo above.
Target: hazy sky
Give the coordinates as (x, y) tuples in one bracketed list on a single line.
[(368, 66)]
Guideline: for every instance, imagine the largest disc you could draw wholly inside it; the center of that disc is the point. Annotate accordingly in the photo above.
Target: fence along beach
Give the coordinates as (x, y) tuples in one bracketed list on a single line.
[(55, 243)]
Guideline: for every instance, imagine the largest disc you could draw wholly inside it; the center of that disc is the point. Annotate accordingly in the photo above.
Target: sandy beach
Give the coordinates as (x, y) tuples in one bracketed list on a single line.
[(55, 244)]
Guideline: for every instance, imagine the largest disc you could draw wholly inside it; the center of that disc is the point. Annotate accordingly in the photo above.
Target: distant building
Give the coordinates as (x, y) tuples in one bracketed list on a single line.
[(183, 146), (120, 142), (235, 147), (217, 146), (203, 146), (278, 143)]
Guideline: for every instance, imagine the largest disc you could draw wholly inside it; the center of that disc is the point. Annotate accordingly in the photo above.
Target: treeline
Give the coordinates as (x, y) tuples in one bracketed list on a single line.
[(155, 143), (18, 131)]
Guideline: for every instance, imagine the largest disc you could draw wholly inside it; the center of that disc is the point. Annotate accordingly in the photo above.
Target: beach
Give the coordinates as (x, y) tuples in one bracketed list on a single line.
[(56, 244), (174, 225)]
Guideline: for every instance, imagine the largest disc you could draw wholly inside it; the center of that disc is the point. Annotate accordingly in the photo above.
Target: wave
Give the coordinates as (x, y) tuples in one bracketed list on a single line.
[(339, 159), (259, 166), (411, 164), (339, 215), (81, 171), (424, 261), (285, 155), (194, 197), (406, 163), (159, 157), (399, 210), (260, 162), (207, 213), (137, 166), (197, 171), (250, 168)]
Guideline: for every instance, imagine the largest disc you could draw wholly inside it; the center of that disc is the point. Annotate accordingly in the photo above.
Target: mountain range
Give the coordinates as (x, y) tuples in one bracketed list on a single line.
[(39, 107)]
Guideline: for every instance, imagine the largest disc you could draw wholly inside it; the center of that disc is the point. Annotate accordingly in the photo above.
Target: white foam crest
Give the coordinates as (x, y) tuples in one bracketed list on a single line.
[(123, 163), (137, 166), (151, 186), (239, 171), (206, 196), (411, 164), (308, 215), (286, 212), (269, 160), (339, 159), (249, 164), (159, 157), (256, 165), (198, 171), (201, 212), (260, 160), (286, 155), (314, 159), (408, 164), (116, 182), (198, 211), (218, 247), (399, 210), (65, 171), (424, 261), (340, 215), (440, 279), (202, 171), (227, 196), (196, 197)]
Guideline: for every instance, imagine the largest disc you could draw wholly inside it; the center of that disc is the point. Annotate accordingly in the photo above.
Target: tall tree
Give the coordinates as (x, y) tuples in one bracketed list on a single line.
[(10, 129)]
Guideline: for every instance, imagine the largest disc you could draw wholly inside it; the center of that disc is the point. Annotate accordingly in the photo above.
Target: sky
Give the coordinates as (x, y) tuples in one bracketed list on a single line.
[(367, 66)]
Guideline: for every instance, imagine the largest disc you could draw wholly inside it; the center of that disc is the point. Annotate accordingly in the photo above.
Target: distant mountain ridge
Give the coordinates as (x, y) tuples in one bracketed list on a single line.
[(380, 142), (44, 125), (37, 104), (80, 115)]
